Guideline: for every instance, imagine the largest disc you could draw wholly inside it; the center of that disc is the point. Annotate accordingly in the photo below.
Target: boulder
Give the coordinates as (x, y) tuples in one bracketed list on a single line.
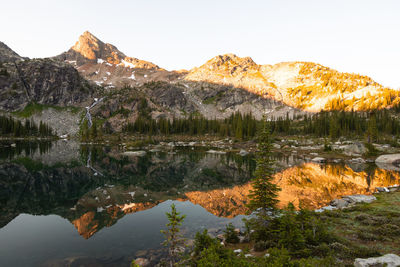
[(318, 160), (359, 198), (382, 189), (142, 262), (276, 146), (358, 160), (326, 208), (393, 188), (339, 203), (221, 237), (389, 260), (354, 149), (388, 159)]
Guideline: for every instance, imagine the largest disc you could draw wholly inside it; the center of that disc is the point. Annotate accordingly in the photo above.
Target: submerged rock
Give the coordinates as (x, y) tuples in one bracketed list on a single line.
[(389, 260)]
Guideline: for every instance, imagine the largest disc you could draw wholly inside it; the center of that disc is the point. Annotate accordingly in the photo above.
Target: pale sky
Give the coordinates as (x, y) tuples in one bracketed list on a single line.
[(359, 36)]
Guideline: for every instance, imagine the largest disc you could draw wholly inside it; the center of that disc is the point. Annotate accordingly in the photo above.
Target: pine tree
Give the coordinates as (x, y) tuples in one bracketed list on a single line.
[(173, 238), (265, 192), (372, 130)]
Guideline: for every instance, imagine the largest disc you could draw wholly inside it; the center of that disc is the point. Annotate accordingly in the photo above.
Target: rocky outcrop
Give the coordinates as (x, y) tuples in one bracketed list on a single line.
[(388, 159), (388, 260), (43, 81), (347, 201)]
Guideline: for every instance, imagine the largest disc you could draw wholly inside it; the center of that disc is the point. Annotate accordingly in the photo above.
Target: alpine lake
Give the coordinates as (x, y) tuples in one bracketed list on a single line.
[(96, 205)]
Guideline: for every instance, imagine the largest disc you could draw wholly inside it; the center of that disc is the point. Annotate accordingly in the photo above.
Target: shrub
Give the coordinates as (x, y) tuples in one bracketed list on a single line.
[(202, 241), (260, 245), (230, 234)]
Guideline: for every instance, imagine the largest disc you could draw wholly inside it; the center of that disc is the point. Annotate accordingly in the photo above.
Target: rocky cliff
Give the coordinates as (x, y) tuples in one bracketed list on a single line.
[(43, 81)]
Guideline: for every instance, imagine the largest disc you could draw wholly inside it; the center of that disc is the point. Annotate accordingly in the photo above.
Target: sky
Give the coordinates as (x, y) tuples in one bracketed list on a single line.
[(357, 36)]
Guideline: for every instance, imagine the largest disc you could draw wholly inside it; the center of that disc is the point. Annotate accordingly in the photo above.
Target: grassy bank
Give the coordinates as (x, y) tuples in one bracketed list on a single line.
[(331, 238), (374, 226)]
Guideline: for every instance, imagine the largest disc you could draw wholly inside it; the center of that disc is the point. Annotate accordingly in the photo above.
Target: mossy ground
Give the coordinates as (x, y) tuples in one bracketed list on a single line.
[(368, 228)]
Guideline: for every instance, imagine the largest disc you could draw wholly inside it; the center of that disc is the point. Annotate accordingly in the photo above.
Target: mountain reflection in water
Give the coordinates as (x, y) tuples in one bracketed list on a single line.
[(93, 187)]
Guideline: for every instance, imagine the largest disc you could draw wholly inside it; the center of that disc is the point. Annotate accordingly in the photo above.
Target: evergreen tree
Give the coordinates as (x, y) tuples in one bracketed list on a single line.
[(372, 130), (173, 238), (265, 192)]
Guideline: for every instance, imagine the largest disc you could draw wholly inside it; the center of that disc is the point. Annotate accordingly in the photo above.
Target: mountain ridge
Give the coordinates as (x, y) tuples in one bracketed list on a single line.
[(304, 85), (223, 85)]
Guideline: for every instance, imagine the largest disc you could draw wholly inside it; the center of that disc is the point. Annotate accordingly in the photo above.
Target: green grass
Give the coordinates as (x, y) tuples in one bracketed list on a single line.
[(34, 108), (368, 230)]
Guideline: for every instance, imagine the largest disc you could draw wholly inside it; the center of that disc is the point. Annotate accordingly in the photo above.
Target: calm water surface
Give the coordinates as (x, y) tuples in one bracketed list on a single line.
[(62, 200)]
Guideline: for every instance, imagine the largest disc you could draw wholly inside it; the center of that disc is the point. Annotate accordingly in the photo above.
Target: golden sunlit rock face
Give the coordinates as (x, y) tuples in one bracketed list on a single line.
[(313, 185), (305, 85), (310, 185), (91, 222), (88, 45), (91, 48)]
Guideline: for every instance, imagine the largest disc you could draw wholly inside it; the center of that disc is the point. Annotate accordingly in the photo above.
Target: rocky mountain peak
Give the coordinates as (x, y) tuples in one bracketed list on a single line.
[(91, 48), (229, 62)]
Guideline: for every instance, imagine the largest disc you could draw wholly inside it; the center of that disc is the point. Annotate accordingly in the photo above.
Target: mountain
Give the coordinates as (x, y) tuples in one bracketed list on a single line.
[(223, 85), (304, 85), (167, 93), (301, 85), (104, 64), (43, 81)]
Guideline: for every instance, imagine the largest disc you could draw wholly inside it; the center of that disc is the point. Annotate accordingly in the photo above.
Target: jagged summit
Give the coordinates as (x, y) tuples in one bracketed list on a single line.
[(90, 49), (104, 64)]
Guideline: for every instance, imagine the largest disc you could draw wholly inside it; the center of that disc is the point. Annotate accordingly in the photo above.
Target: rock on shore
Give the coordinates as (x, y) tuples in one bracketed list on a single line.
[(389, 260), (388, 159)]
